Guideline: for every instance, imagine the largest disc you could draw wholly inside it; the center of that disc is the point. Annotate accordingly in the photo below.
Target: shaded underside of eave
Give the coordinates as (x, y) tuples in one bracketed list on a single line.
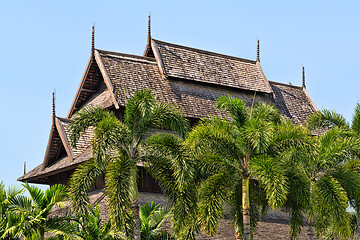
[(62, 165), (88, 86)]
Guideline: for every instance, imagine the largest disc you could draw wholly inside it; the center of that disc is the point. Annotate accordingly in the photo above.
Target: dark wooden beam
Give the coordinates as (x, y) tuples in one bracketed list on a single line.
[(88, 90)]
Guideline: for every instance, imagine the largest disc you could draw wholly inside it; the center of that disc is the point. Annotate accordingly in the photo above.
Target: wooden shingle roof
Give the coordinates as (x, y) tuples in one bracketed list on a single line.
[(293, 101), (75, 156), (208, 67), (190, 78)]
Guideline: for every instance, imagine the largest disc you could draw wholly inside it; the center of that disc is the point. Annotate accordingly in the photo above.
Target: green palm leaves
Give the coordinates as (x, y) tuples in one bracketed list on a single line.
[(28, 217), (241, 158), (238, 166), (117, 149), (331, 168), (152, 216)]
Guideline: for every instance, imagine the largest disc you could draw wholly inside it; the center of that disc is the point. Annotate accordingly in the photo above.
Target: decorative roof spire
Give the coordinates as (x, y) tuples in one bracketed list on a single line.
[(53, 108), (149, 29), (24, 168), (303, 77), (93, 41), (258, 51)]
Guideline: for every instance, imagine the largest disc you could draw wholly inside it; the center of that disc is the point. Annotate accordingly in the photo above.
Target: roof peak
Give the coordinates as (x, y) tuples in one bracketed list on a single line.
[(127, 56), (285, 84), (206, 51)]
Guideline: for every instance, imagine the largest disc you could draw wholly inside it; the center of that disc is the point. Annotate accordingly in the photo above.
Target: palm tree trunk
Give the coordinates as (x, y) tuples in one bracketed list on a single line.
[(358, 225), (311, 233), (136, 218), (246, 206)]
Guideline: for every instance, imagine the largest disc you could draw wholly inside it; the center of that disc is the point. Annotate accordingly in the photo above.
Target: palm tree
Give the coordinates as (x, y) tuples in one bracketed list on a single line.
[(336, 157), (6, 216), (152, 216), (332, 182), (117, 149), (87, 226), (240, 163), (31, 214), (169, 162)]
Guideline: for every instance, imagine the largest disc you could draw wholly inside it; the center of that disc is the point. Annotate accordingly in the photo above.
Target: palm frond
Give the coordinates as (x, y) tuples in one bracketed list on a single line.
[(236, 108), (326, 119), (139, 108), (119, 177), (258, 133), (273, 179), (298, 200), (81, 182), (21, 203), (350, 182), (336, 146), (166, 116), (56, 194), (217, 137), (211, 208), (289, 135), (267, 113), (36, 194), (332, 204), (355, 124), (85, 118), (169, 146), (169, 164), (110, 134)]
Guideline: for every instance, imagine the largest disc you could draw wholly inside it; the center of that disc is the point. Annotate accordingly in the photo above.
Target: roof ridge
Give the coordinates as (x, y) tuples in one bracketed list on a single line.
[(285, 84), (207, 52), (138, 57), (65, 119)]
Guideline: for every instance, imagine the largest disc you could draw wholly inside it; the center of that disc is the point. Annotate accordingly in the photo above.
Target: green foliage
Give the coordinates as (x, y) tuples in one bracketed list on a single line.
[(152, 216), (331, 166), (255, 142), (117, 148), (170, 164), (355, 125), (28, 217), (88, 226), (326, 119)]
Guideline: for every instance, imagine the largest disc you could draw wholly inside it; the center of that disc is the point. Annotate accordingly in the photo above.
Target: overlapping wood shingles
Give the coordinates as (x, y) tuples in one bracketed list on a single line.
[(292, 101), (208, 67), (84, 141), (194, 90), (81, 152), (135, 73)]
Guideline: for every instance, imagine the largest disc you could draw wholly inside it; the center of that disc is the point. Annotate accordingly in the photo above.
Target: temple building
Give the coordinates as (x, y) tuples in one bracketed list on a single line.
[(187, 77)]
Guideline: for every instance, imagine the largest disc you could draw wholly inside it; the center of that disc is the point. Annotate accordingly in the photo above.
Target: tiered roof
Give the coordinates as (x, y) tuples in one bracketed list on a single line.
[(190, 78)]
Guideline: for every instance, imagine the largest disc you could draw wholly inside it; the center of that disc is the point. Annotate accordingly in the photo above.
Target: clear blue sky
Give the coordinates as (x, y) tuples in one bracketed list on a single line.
[(46, 45)]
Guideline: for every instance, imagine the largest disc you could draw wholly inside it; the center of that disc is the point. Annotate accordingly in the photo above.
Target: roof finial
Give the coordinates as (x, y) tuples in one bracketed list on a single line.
[(149, 28), (53, 108), (93, 41), (258, 51), (24, 168), (303, 77)]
